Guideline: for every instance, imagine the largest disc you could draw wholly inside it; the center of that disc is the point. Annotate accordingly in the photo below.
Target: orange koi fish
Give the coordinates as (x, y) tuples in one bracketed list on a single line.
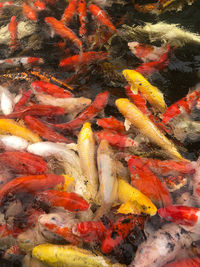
[(147, 182), (70, 11), (69, 201), (101, 16), (39, 5), (111, 123), (85, 58), (29, 12), (63, 31), (12, 28), (30, 184), (82, 11), (51, 89), (44, 131)]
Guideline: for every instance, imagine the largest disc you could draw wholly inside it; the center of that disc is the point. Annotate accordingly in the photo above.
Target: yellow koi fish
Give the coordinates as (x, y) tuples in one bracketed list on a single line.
[(86, 151), (12, 127), (65, 255), (128, 193), (152, 94), (146, 126)]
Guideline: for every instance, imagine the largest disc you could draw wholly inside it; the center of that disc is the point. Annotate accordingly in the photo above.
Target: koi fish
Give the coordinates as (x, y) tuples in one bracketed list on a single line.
[(111, 123), (150, 67), (148, 183), (150, 92), (145, 8), (61, 224), (69, 12), (12, 28), (6, 101), (71, 105), (12, 142), (14, 128), (39, 5), (23, 162), (18, 61), (126, 193), (67, 255), (85, 58), (37, 110), (182, 215), (167, 167), (119, 231), (30, 184), (29, 12), (184, 105), (90, 112), (147, 52), (101, 17), (5, 4), (116, 139), (23, 100), (91, 231), (193, 262), (82, 11), (86, 151), (68, 201), (51, 89), (145, 125), (107, 178), (162, 246), (63, 31), (44, 131)]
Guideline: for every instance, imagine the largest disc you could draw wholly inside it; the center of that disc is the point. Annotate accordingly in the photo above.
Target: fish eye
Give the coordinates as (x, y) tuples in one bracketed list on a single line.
[(53, 218)]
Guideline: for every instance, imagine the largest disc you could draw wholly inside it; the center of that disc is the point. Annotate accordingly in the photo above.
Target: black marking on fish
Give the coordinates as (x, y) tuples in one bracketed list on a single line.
[(114, 235), (170, 246)]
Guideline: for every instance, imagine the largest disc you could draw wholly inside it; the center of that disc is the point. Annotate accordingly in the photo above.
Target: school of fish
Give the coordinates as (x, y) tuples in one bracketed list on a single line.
[(78, 187)]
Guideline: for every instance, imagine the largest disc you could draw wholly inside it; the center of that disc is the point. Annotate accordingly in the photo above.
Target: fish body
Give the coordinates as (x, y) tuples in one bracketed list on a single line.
[(45, 131), (126, 193), (14, 128), (146, 126), (86, 151), (111, 123), (85, 58), (70, 11), (186, 262), (60, 255), (162, 246), (107, 177), (30, 184), (6, 101), (18, 61), (12, 142), (12, 27), (90, 112), (23, 100), (29, 12), (51, 89), (101, 16), (63, 31), (150, 92), (82, 11)]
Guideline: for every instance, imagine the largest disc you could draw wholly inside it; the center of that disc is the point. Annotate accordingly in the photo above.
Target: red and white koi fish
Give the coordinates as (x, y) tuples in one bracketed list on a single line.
[(20, 61), (85, 58), (12, 28), (101, 17), (147, 52), (162, 246), (29, 12), (51, 89), (82, 11), (116, 139), (70, 11), (184, 105), (183, 215), (62, 224), (150, 67), (63, 31), (90, 112)]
